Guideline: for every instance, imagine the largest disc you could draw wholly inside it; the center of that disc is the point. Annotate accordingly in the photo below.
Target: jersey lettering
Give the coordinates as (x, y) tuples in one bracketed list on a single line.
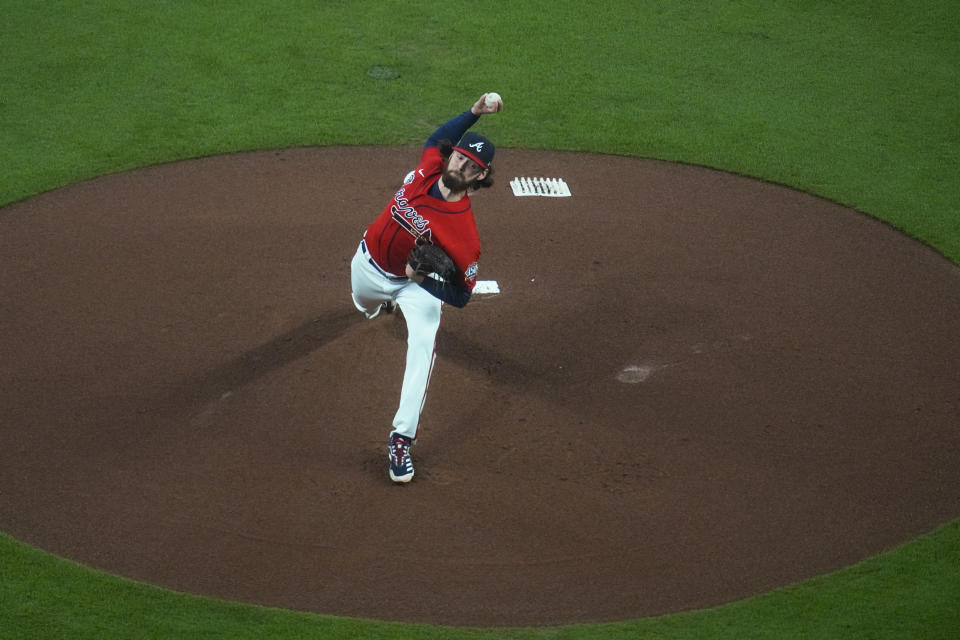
[(402, 210), (411, 209)]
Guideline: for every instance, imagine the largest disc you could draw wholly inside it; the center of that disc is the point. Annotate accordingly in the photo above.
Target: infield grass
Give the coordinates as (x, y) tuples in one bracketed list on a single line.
[(856, 102)]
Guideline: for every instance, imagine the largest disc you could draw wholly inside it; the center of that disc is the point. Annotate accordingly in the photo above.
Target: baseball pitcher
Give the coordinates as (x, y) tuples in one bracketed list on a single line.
[(423, 251)]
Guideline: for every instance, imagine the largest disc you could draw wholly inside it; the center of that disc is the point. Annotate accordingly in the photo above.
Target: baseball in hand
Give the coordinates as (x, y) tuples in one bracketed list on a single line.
[(492, 99)]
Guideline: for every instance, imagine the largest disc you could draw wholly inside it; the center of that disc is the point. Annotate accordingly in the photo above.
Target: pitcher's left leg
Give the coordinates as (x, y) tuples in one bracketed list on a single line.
[(422, 314)]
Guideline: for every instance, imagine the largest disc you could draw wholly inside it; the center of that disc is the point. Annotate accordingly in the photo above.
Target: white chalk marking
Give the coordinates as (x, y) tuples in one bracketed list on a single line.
[(634, 373)]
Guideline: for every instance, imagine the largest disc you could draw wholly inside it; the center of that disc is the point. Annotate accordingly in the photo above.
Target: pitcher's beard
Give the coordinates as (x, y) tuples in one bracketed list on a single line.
[(453, 181)]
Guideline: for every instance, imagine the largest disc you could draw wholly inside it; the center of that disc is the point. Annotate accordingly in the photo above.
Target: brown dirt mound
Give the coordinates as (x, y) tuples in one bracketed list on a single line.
[(693, 387)]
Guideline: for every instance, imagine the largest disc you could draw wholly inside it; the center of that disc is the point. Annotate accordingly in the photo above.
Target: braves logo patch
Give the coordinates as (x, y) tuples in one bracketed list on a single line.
[(410, 177)]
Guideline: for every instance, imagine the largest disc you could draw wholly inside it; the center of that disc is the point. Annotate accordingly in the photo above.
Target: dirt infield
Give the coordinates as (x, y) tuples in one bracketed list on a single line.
[(692, 388)]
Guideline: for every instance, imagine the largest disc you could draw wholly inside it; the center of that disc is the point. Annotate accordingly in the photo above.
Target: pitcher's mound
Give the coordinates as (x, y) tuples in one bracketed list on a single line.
[(692, 387)]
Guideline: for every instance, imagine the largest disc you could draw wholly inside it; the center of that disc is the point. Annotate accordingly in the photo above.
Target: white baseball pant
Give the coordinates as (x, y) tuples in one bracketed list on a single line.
[(371, 287)]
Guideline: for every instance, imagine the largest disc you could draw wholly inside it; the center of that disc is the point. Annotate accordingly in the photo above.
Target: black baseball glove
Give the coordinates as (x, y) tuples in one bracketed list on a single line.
[(429, 258)]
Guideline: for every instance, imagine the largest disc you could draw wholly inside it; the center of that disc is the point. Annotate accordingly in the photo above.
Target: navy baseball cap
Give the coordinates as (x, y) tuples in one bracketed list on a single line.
[(477, 148)]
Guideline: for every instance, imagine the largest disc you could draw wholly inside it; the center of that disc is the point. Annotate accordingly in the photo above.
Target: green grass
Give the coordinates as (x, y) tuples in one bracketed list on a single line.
[(856, 102), (911, 593)]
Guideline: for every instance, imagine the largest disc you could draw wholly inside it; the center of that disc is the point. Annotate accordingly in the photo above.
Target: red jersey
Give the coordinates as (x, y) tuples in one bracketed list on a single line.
[(413, 214)]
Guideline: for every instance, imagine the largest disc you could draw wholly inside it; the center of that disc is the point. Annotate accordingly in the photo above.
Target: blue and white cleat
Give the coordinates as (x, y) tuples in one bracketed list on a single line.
[(401, 466)]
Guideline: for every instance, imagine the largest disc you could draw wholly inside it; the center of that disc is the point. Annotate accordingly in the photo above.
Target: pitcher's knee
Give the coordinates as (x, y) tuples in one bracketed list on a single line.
[(431, 318), (423, 334), (422, 339)]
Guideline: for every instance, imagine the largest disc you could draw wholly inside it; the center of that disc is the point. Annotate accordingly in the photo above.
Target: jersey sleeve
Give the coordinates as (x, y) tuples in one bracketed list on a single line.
[(449, 293), (453, 129)]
